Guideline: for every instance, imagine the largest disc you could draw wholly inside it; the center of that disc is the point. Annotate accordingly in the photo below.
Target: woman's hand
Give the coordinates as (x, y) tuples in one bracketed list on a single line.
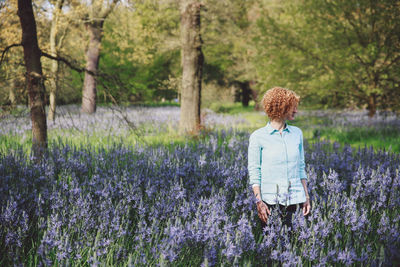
[(263, 211), (306, 207)]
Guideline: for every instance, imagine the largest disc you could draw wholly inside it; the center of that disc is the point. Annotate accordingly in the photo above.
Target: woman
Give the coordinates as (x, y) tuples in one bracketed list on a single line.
[(276, 159)]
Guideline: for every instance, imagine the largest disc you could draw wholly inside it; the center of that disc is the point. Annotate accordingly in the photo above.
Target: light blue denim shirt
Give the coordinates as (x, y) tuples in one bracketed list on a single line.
[(276, 163)]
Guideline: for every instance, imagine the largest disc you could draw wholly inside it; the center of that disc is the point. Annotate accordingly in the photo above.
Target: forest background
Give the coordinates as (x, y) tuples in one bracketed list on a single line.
[(334, 54)]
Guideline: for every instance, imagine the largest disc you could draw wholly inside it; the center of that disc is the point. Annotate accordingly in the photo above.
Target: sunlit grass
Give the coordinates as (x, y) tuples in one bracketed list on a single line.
[(321, 128), (314, 128), (231, 108), (103, 139), (387, 139)]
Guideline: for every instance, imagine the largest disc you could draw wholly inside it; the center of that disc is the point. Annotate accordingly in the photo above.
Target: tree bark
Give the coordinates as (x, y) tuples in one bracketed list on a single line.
[(254, 94), (89, 93), (371, 105), (34, 77), (11, 95), (192, 67), (54, 63), (245, 93)]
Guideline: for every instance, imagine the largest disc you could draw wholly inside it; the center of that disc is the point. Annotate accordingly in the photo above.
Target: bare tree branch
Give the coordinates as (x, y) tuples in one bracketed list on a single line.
[(74, 66), (6, 50), (64, 60), (68, 63)]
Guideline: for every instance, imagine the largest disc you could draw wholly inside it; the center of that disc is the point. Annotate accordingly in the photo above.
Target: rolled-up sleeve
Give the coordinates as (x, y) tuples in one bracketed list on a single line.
[(254, 161), (302, 165)]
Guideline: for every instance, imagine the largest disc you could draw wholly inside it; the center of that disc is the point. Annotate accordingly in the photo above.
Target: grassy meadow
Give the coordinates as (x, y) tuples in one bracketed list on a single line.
[(123, 188)]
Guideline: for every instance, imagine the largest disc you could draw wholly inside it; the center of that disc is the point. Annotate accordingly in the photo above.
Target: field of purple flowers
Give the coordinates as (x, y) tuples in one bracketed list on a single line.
[(190, 204), (112, 120)]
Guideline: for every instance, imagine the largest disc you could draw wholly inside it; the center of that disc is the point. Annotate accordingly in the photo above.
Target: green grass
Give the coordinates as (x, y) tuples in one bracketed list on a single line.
[(388, 139), (103, 139), (231, 108), (167, 103), (319, 128), (314, 129)]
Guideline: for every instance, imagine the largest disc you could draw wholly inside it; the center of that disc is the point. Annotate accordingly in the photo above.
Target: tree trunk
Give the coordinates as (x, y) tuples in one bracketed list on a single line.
[(371, 105), (192, 65), (89, 92), (54, 63), (254, 94), (53, 96), (245, 92), (11, 95), (236, 92), (54, 71), (34, 77)]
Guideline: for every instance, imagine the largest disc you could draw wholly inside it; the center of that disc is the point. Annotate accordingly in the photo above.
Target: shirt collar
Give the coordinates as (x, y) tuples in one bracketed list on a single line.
[(271, 130)]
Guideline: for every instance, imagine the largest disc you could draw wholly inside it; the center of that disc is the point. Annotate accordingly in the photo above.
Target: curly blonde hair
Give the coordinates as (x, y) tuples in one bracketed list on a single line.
[(278, 101)]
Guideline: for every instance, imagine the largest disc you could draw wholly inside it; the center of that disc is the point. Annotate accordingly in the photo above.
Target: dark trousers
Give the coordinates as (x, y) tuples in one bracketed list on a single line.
[(285, 211)]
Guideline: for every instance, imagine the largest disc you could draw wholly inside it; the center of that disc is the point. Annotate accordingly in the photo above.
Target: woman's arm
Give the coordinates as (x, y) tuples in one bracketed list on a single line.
[(302, 165), (303, 177), (306, 205), (262, 208), (254, 161), (257, 192), (254, 168)]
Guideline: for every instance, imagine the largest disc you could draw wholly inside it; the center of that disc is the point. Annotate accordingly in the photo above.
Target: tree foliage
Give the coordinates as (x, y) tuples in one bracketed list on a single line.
[(345, 53), (334, 53), (140, 53)]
